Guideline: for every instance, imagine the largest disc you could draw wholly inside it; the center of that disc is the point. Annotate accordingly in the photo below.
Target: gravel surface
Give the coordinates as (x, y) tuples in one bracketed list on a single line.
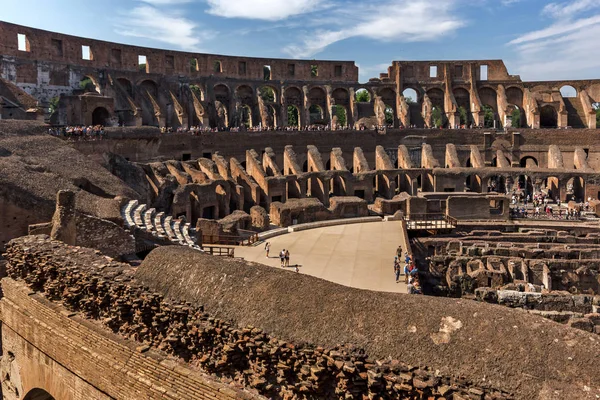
[(530, 356)]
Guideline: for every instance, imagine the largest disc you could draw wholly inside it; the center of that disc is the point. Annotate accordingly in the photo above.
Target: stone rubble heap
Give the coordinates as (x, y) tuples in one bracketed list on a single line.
[(101, 289)]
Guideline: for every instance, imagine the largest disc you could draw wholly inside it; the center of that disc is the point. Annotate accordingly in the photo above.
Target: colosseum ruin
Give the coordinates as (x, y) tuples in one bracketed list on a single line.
[(140, 189)]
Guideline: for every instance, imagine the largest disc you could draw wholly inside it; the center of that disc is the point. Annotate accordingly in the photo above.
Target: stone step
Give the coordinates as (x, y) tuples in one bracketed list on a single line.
[(137, 216), (149, 220), (177, 229), (158, 224), (128, 213), (186, 234), (576, 117), (168, 226)]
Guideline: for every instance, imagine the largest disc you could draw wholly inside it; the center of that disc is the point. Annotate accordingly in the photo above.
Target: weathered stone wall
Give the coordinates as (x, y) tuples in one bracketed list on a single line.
[(245, 355), (49, 348)]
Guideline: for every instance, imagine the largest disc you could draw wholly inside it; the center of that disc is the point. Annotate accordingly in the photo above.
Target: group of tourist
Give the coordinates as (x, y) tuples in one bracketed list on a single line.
[(95, 132), (411, 272), (284, 257), (541, 205)]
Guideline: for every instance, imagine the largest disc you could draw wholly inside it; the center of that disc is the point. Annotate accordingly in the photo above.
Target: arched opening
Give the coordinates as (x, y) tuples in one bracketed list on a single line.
[(576, 190), (548, 117), (514, 116), (222, 201), (340, 117), (100, 116), (87, 85), (551, 185), (568, 91), (267, 94), (438, 115), (246, 116), (272, 115), (473, 184), (528, 162), (293, 116), (305, 166), (489, 116), (222, 115), (410, 95), (463, 102), (38, 394), (525, 185), (389, 115), (596, 107), (126, 86), (362, 95), (316, 114), (496, 184)]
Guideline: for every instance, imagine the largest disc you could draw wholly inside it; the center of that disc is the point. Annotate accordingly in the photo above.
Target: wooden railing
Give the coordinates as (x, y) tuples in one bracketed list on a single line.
[(430, 221), (219, 251), (247, 239)]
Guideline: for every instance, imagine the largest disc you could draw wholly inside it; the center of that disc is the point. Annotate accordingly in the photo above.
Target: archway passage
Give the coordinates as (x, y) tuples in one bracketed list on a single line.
[(246, 116), (548, 117), (293, 116), (38, 394), (316, 114), (340, 116), (568, 91), (100, 116), (489, 116)]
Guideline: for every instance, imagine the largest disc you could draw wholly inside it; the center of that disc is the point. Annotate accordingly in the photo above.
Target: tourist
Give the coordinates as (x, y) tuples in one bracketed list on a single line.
[(406, 258), (397, 269), (406, 272), (282, 257), (267, 248), (287, 258), (399, 251)]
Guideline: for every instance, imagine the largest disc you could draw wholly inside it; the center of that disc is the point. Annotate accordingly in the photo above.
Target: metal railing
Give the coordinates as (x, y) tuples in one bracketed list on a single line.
[(430, 221)]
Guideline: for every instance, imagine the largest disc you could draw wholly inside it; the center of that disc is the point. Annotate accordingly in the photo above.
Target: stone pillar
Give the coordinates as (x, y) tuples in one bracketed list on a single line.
[(63, 222), (329, 103), (305, 120), (353, 111)]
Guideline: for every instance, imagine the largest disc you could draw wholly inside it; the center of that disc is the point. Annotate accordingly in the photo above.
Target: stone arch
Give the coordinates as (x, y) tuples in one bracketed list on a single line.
[(100, 116), (568, 91), (363, 90), (339, 116), (437, 97), (576, 189), (222, 93), (514, 95), (473, 183), (489, 97), (317, 96), (497, 184), (268, 94), (38, 394), (516, 115), (463, 103), (388, 96), (149, 91), (411, 93), (245, 94), (552, 186), (341, 96), (293, 96), (126, 85), (293, 115), (315, 112), (548, 116), (246, 116), (529, 162), (197, 90), (89, 84)]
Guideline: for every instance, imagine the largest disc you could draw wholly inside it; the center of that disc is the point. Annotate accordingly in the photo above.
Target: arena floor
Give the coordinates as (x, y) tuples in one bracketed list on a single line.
[(356, 255)]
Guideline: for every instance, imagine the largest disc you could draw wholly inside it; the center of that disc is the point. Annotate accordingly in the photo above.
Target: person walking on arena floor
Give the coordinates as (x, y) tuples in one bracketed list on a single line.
[(267, 248)]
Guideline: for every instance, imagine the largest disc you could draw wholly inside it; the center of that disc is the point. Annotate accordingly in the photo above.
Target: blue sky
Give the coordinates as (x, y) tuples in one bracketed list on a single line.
[(539, 40)]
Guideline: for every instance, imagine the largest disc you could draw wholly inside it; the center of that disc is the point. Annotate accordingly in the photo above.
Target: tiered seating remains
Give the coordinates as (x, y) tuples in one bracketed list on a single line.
[(176, 231)]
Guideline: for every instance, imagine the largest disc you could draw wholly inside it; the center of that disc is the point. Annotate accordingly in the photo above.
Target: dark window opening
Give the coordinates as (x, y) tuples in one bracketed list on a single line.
[(194, 67), (186, 157), (207, 155), (57, 47), (170, 62), (291, 69), (458, 71), (276, 199), (217, 67), (338, 71), (242, 68), (115, 56)]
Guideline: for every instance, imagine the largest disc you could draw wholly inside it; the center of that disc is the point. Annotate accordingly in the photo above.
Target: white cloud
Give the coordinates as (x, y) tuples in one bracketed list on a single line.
[(568, 9), (566, 48), (270, 10), (167, 27), (165, 2), (393, 20)]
